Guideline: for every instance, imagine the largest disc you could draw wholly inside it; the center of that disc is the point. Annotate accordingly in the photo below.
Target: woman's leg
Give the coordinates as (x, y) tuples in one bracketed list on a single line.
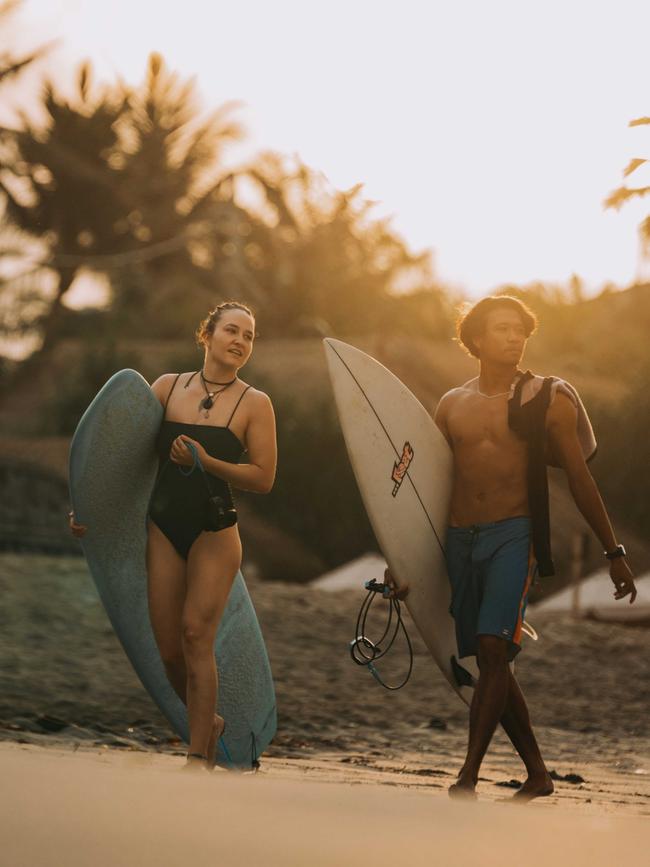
[(167, 587), (211, 568)]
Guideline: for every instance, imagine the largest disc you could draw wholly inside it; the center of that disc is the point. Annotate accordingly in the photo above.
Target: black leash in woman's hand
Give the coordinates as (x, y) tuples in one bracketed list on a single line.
[(366, 652)]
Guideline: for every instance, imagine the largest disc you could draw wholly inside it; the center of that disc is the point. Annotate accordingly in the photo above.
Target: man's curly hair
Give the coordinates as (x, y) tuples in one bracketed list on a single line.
[(471, 323)]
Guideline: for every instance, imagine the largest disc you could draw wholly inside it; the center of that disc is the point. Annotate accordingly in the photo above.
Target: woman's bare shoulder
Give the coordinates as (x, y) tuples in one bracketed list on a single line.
[(162, 386), (256, 398)]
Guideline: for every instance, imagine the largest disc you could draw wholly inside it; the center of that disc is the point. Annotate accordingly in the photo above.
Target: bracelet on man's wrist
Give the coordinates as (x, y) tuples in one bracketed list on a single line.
[(615, 553)]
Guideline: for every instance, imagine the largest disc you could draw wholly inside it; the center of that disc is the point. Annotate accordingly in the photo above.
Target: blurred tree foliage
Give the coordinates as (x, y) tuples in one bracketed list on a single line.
[(112, 181), (132, 184), (623, 463), (12, 64), (328, 266), (315, 496), (61, 410), (59, 187)]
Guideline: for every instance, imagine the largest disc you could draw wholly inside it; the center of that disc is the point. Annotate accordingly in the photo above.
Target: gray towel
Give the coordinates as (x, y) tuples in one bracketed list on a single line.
[(586, 434)]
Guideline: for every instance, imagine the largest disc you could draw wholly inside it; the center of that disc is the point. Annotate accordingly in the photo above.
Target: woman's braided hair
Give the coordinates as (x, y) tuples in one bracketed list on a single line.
[(206, 329)]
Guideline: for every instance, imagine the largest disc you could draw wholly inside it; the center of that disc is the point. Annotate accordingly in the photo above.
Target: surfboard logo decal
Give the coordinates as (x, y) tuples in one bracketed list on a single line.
[(399, 469)]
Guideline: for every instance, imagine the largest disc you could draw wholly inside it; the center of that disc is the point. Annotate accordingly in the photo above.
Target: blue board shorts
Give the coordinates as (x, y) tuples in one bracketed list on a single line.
[(490, 568)]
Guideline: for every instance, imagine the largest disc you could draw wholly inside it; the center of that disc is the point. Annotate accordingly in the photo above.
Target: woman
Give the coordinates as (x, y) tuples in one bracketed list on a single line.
[(193, 547)]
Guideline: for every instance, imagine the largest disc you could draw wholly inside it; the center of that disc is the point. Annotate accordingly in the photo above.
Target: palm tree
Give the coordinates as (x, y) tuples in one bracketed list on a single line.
[(60, 185), (619, 196), (180, 202), (126, 183)]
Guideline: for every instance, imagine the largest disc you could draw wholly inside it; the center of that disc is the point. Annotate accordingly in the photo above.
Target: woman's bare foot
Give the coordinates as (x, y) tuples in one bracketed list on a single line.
[(536, 786), (196, 762), (218, 729)]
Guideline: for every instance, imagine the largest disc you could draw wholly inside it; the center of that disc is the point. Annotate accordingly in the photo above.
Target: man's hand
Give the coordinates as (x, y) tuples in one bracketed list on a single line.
[(397, 591), (623, 579)]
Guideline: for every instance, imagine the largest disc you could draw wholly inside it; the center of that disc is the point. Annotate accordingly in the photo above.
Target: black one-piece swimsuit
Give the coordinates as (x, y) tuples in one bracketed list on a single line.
[(179, 502)]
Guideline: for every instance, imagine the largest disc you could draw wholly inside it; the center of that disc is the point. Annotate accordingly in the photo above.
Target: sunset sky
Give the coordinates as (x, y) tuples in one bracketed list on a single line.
[(491, 131)]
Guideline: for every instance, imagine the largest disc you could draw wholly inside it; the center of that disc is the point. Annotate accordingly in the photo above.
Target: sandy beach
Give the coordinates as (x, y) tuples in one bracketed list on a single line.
[(354, 771), (110, 808)]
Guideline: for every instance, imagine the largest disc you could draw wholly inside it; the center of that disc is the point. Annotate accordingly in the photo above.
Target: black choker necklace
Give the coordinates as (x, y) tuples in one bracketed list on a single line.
[(213, 382), (211, 397)]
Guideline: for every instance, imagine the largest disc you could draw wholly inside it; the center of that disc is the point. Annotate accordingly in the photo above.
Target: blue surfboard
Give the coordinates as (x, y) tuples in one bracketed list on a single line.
[(113, 466)]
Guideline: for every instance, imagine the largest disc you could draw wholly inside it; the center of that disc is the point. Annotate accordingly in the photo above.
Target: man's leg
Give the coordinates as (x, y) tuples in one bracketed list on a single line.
[(516, 722), (488, 707)]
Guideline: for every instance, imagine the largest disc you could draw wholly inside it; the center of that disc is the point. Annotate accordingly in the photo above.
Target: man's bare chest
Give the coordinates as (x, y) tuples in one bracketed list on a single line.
[(477, 420)]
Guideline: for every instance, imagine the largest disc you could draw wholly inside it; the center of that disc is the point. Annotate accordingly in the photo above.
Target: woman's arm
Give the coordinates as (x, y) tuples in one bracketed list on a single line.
[(258, 474)]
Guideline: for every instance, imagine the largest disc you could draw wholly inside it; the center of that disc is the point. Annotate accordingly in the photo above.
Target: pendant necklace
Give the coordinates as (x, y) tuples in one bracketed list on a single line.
[(490, 396), (501, 393), (211, 397)]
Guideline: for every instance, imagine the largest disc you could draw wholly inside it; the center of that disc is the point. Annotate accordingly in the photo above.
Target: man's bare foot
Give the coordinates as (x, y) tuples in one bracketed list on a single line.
[(463, 789), (218, 728), (536, 786)]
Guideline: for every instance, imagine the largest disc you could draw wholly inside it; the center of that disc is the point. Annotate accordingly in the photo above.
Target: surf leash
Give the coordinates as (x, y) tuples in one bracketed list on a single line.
[(196, 460), (225, 751), (366, 652)]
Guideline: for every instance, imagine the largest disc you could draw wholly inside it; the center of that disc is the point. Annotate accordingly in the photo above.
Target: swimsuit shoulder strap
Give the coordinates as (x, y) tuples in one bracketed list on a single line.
[(237, 404), (170, 394), (192, 375)]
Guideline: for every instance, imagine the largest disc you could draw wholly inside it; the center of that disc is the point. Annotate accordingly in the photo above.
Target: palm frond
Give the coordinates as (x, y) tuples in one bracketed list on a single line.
[(632, 166), (644, 231), (618, 197)]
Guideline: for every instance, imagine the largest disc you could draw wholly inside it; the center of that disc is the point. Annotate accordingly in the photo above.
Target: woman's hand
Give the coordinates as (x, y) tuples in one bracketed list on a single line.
[(78, 530), (180, 454)]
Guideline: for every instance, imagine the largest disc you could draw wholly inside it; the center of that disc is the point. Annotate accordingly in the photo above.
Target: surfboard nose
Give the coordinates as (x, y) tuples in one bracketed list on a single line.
[(333, 343), (342, 351)]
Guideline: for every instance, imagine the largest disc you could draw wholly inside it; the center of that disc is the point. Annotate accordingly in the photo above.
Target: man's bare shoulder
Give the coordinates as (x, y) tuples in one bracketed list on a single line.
[(446, 403), (454, 394), (562, 411)]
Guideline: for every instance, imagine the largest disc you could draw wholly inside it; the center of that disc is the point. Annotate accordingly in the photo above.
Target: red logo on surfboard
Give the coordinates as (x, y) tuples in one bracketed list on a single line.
[(399, 469)]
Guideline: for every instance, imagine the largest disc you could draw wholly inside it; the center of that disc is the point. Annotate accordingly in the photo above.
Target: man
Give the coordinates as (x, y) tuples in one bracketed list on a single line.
[(498, 523)]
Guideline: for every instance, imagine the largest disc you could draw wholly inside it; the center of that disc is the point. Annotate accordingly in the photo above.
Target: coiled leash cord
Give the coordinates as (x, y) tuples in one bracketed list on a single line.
[(366, 652)]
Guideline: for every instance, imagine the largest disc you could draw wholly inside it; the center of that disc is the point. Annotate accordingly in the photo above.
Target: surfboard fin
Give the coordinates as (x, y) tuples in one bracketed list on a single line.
[(462, 675), (529, 630)]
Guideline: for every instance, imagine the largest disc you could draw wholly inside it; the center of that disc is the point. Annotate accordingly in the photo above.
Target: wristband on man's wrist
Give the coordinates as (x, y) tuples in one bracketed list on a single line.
[(618, 551)]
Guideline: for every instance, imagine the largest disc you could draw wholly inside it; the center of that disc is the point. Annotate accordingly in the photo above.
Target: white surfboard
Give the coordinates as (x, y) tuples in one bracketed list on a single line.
[(403, 466)]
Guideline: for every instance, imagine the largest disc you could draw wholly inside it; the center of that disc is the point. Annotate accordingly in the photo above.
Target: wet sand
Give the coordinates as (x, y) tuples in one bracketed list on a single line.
[(67, 685)]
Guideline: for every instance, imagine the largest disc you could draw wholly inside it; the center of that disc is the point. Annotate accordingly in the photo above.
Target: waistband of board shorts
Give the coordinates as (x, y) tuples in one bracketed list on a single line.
[(518, 521)]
